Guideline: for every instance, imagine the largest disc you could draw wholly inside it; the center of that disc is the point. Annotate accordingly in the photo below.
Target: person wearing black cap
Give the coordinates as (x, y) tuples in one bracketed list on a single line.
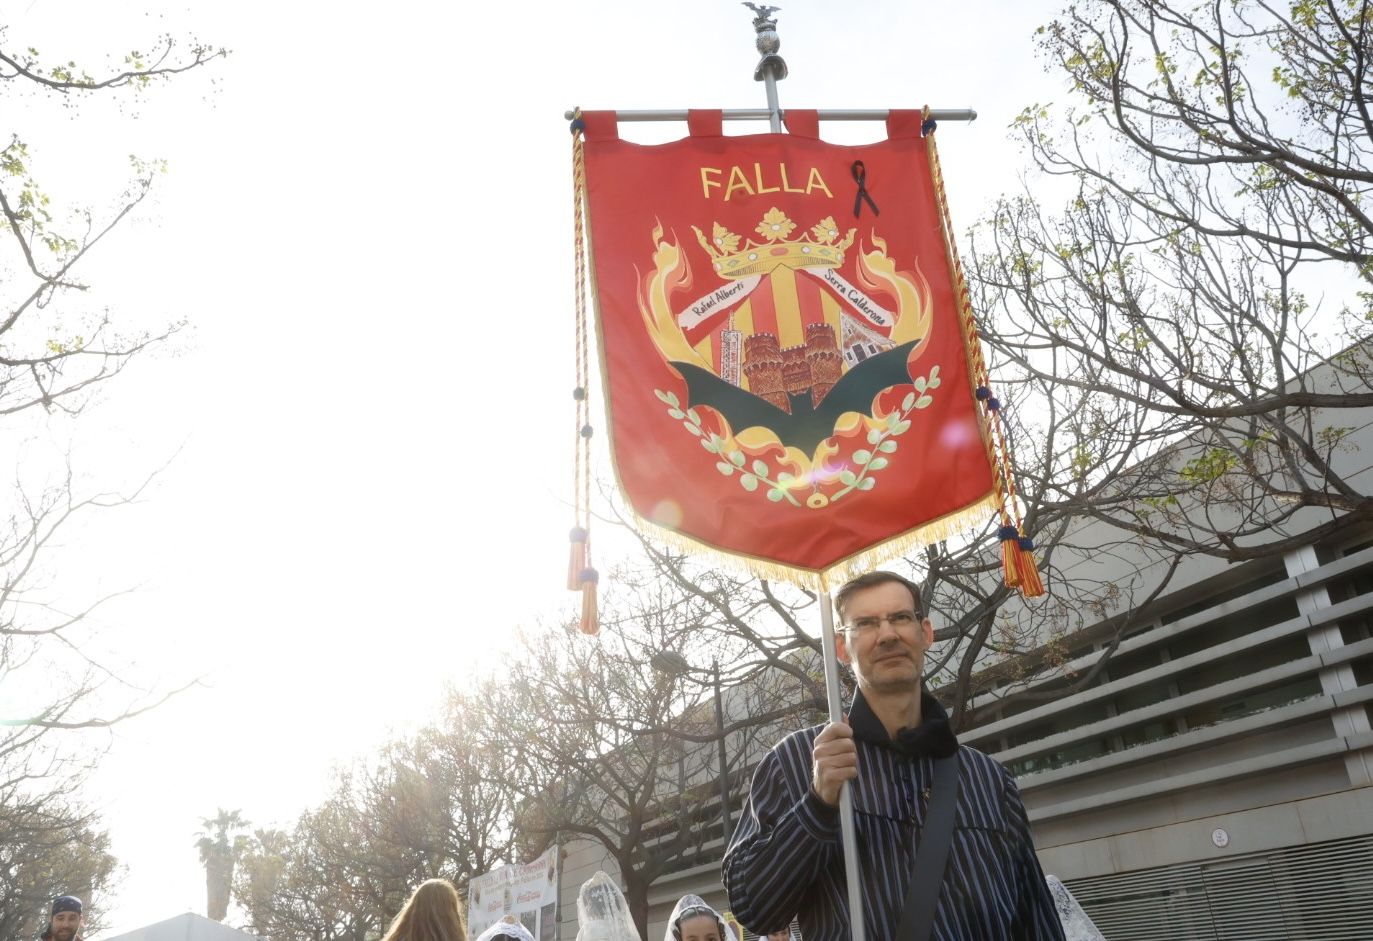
[(65, 924)]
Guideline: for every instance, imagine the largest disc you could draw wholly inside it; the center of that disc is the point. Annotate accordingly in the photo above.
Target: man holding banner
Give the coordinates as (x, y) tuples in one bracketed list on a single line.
[(793, 378), (943, 832)]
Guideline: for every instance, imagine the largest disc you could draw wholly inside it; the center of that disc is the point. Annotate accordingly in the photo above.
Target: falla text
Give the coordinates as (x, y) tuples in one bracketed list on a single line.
[(736, 182)]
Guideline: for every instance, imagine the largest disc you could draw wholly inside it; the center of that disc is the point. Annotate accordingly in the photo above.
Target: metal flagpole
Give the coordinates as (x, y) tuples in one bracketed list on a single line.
[(847, 832), (771, 69), (763, 114)]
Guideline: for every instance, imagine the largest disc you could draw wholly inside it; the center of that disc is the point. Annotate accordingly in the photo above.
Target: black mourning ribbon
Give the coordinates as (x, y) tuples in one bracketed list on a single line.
[(860, 176)]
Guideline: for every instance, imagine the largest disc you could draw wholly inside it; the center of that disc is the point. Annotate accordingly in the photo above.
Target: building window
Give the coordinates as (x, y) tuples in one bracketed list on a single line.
[(1233, 626), (1250, 703), (1141, 696), (1154, 731), (1220, 597), (1251, 661)]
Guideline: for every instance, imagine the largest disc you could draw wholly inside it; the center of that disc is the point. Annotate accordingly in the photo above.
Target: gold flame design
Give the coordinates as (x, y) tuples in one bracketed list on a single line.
[(670, 270)]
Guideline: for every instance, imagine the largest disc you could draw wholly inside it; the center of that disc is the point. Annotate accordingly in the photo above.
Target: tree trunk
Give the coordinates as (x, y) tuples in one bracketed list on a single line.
[(636, 896), (218, 876)]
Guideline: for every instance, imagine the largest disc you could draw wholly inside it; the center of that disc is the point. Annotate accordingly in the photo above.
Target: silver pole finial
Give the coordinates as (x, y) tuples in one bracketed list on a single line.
[(771, 68)]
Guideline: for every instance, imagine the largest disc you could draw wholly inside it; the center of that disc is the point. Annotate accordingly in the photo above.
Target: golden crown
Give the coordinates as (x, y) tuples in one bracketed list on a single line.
[(820, 248)]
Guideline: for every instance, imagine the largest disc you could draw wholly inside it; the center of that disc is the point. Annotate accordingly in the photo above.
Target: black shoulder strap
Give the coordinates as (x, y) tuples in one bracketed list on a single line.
[(932, 855)]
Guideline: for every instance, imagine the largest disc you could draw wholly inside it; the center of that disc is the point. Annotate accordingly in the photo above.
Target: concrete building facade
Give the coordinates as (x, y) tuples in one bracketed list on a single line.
[(1214, 781)]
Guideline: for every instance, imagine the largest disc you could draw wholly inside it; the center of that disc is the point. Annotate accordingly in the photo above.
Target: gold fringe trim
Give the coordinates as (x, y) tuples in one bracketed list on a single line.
[(951, 524)]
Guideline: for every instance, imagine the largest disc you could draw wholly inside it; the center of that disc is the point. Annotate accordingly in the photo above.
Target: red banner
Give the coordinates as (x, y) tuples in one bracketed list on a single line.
[(789, 365)]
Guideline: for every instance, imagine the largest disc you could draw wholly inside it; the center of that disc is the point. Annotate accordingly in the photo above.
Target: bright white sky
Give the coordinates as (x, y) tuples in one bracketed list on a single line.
[(367, 225)]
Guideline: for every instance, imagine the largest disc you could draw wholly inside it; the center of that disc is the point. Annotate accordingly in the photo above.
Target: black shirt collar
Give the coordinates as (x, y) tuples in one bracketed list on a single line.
[(934, 736)]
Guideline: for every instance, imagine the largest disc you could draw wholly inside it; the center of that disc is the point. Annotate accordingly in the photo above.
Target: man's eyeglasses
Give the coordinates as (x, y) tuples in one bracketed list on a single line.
[(900, 621)]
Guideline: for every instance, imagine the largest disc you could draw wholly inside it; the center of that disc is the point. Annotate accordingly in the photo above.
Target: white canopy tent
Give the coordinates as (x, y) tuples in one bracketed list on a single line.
[(187, 927)]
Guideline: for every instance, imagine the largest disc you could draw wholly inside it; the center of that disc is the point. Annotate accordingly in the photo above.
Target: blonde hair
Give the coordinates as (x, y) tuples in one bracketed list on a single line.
[(433, 913)]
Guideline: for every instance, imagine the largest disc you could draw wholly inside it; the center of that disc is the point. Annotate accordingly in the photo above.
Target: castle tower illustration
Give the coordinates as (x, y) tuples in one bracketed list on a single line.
[(795, 371), (776, 374), (823, 359), (763, 365)]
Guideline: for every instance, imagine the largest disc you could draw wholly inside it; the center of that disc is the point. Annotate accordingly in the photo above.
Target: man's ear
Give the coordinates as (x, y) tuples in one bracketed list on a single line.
[(927, 632), (841, 647)]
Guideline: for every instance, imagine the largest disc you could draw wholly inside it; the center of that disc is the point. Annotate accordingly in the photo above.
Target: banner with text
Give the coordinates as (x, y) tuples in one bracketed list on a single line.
[(790, 362), (528, 891)]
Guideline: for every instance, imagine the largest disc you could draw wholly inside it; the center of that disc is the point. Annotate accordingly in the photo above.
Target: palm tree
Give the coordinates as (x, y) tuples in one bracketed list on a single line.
[(219, 847)]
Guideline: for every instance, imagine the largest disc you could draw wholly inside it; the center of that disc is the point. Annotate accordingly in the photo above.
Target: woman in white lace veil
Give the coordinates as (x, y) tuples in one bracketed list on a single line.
[(693, 920), (507, 927), (603, 913)]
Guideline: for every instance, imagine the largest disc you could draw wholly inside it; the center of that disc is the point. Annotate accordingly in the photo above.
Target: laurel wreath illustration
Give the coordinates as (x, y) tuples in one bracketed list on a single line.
[(781, 485)]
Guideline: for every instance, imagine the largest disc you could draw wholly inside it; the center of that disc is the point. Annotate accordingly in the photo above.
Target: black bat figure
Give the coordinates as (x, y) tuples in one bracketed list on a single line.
[(806, 426)]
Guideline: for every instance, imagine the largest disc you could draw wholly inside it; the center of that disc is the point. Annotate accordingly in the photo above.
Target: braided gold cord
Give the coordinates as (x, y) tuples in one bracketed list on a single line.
[(581, 483), (1001, 456)]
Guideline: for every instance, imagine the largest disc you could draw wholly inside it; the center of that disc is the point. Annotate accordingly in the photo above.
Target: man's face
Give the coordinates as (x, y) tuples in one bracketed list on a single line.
[(888, 657), (65, 926)]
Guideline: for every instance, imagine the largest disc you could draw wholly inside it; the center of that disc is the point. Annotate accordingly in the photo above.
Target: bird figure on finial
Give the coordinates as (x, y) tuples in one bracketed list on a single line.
[(761, 13)]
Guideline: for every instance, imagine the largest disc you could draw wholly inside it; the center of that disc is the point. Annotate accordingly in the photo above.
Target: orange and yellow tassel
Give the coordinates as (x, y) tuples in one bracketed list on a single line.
[(589, 623), (1031, 585), (1010, 555), (576, 561)]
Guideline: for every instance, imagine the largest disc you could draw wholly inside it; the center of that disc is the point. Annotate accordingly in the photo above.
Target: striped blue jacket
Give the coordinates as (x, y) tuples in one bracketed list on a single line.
[(785, 858)]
